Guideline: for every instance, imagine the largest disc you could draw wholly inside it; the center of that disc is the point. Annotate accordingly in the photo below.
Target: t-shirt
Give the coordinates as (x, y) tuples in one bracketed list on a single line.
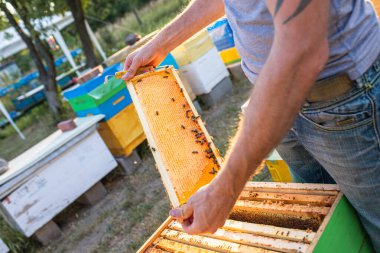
[(354, 36)]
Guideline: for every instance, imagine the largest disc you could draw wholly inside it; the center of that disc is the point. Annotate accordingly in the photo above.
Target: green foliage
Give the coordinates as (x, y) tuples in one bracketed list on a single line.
[(111, 10), (16, 242), (154, 16)]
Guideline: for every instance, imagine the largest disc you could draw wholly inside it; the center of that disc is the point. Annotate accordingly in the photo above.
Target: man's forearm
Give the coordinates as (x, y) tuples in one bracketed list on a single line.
[(196, 16)]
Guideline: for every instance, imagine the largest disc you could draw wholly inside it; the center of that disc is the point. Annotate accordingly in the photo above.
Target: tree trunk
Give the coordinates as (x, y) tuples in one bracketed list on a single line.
[(88, 49), (46, 77), (137, 16), (38, 50)]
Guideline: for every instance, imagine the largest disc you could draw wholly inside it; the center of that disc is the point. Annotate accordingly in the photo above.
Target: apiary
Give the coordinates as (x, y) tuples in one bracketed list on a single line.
[(268, 217)]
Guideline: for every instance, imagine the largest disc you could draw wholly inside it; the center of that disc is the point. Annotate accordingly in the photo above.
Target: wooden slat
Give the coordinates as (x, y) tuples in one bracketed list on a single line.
[(293, 188), (155, 235), (155, 250), (279, 208), (324, 224), (173, 246), (314, 200), (210, 243), (280, 245), (290, 234)]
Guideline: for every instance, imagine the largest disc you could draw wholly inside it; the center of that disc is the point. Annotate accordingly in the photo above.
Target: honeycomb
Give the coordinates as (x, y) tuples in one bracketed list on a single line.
[(188, 155)]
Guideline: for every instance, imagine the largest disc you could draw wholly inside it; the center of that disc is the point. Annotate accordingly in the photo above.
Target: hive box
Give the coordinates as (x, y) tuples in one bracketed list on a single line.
[(205, 72), (268, 217), (123, 132), (108, 99)]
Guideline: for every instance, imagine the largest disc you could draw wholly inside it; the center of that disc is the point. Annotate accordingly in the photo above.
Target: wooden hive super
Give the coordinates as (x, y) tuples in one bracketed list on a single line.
[(268, 217)]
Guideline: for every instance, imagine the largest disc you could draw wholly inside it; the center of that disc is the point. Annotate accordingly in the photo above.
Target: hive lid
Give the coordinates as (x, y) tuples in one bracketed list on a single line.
[(182, 148), (107, 90)]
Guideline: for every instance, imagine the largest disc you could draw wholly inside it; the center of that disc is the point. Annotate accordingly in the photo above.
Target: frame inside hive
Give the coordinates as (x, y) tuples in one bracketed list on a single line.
[(182, 148), (300, 201)]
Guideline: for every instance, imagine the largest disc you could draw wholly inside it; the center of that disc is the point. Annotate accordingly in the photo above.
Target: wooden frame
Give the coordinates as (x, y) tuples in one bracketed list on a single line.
[(266, 237), (144, 121)]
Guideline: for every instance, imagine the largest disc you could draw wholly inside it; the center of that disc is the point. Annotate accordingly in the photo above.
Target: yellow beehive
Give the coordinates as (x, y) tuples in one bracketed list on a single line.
[(193, 48), (376, 3), (230, 55), (123, 132), (175, 132)]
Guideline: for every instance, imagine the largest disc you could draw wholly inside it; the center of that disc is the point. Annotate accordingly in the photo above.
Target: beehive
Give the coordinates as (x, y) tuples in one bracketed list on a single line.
[(123, 132), (268, 217)]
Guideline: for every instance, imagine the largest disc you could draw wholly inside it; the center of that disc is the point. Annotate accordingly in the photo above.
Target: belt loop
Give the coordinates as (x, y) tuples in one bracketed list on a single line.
[(360, 82)]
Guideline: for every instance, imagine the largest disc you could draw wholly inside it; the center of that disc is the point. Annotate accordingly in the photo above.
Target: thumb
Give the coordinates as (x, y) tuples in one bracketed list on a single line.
[(183, 212), (132, 69)]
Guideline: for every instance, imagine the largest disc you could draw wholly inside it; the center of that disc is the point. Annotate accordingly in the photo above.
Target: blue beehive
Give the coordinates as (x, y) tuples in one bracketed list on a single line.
[(221, 34), (79, 90)]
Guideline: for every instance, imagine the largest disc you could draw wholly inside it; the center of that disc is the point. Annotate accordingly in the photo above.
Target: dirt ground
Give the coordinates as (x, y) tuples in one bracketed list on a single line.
[(137, 204)]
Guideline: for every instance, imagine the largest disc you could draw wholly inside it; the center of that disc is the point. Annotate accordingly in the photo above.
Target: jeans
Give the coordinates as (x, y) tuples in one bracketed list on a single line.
[(339, 140)]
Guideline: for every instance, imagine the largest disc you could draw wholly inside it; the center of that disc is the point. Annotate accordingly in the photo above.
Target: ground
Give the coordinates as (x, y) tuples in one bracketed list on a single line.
[(137, 204)]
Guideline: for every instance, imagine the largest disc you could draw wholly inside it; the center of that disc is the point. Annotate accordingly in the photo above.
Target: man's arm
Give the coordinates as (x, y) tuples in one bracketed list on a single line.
[(196, 16), (299, 53)]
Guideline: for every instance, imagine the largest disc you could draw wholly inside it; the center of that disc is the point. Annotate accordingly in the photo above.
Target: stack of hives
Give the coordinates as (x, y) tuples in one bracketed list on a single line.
[(222, 36), (201, 66), (121, 129), (268, 217)]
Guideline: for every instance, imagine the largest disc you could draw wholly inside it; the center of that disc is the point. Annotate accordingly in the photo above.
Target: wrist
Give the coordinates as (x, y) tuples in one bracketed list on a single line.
[(161, 46)]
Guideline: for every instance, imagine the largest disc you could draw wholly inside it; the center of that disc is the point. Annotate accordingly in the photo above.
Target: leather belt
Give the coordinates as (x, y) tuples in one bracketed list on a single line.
[(330, 88)]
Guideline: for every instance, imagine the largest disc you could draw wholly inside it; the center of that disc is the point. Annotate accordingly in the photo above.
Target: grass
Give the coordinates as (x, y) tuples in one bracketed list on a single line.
[(154, 16)]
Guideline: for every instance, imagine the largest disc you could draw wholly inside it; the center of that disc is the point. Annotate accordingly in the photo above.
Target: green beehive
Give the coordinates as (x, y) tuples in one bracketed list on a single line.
[(97, 96)]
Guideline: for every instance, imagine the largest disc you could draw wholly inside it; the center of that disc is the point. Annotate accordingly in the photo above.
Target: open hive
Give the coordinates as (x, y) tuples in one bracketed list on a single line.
[(268, 217)]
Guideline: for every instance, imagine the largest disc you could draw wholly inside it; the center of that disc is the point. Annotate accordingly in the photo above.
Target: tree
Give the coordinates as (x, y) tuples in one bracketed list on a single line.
[(38, 49), (78, 14)]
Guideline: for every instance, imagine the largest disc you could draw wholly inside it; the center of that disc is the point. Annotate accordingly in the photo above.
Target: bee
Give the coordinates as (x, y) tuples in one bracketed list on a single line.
[(157, 113), (198, 135), (139, 80), (194, 131), (214, 171), (181, 90), (210, 156), (165, 77), (153, 149), (183, 127), (184, 105), (187, 113), (167, 72), (208, 151), (198, 141), (173, 99), (195, 152)]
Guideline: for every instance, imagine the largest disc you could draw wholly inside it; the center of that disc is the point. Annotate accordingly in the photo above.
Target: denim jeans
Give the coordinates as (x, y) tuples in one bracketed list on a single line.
[(339, 140)]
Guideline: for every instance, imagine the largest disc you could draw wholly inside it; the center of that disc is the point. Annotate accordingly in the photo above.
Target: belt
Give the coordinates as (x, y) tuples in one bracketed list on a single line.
[(330, 88)]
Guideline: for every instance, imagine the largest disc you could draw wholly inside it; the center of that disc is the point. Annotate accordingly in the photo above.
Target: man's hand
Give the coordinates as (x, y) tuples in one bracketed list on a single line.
[(148, 55), (206, 211), (195, 17)]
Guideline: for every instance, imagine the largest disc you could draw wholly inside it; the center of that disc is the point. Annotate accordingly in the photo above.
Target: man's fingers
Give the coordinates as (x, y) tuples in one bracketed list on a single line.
[(132, 69), (183, 212), (128, 62)]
